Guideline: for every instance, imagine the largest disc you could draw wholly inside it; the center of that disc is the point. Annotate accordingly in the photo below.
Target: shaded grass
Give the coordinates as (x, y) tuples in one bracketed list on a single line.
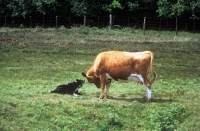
[(52, 57)]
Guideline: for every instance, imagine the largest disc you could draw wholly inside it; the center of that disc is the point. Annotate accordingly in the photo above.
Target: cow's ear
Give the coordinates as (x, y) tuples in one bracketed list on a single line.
[(84, 74)]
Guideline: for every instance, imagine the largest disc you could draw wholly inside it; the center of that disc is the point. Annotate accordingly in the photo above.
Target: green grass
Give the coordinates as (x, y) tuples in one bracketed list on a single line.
[(35, 61)]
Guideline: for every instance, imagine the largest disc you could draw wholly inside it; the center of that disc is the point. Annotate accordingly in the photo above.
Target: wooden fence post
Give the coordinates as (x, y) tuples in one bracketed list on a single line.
[(113, 20), (5, 20), (186, 26), (144, 24), (84, 21), (167, 23), (98, 21), (18, 21), (176, 26), (56, 21), (110, 21), (160, 25), (30, 21), (194, 26), (69, 23), (128, 21), (43, 21)]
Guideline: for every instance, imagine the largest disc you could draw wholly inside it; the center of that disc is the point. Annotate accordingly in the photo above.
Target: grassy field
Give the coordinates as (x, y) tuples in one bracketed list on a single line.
[(35, 61)]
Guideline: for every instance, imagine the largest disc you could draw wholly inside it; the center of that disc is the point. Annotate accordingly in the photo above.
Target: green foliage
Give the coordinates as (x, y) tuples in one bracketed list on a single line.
[(19, 8), (194, 8), (141, 4), (165, 118), (113, 6), (170, 8), (80, 8), (164, 8), (133, 6), (45, 7)]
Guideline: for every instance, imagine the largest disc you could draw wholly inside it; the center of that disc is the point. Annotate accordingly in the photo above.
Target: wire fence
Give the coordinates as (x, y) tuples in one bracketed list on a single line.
[(173, 24)]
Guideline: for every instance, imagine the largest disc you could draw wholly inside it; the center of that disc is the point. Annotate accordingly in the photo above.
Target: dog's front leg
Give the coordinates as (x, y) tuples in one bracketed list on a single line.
[(75, 93)]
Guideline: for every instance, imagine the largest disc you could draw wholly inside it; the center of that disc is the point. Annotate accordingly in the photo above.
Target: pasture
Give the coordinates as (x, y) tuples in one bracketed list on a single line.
[(34, 61)]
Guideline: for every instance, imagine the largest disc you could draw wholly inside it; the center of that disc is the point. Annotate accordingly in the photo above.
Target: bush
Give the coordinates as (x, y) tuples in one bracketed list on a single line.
[(165, 118)]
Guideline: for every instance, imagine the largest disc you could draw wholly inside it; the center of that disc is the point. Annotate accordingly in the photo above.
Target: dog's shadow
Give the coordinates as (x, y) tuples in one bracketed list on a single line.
[(142, 99)]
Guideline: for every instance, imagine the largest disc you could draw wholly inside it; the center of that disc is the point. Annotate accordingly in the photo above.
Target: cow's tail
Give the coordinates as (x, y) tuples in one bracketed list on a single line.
[(151, 67)]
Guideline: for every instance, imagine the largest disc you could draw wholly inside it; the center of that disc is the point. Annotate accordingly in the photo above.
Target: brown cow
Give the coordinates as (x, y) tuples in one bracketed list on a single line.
[(121, 66)]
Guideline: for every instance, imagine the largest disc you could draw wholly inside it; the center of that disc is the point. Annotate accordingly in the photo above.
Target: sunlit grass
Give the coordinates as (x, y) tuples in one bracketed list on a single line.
[(52, 57)]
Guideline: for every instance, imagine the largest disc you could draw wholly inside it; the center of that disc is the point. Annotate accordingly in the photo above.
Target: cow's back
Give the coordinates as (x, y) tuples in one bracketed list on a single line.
[(120, 65)]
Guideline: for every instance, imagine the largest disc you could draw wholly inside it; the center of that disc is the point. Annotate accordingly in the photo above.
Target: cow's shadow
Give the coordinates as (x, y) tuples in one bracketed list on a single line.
[(142, 99)]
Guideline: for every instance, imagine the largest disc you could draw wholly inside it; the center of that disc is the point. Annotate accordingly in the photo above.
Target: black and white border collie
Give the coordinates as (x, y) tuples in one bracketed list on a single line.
[(70, 88)]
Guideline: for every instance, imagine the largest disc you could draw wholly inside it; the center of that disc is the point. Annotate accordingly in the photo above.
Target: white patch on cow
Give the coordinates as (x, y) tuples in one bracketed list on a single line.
[(148, 93), (136, 77), (133, 77), (108, 76)]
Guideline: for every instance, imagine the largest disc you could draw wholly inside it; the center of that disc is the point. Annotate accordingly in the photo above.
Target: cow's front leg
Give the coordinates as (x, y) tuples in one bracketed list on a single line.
[(102, 93), (102, 82), (107, 88)]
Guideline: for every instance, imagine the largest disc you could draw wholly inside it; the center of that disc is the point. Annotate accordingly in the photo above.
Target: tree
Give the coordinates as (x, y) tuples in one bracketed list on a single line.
[(171, 8), (137, 8), (85, 7), (113, 6), (194, 9), (19, 7), (178, 8), (46, 7), (141, 7), (3, 10)]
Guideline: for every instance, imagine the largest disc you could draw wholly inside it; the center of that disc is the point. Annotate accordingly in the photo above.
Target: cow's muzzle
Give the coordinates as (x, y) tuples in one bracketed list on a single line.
[(98, 86)]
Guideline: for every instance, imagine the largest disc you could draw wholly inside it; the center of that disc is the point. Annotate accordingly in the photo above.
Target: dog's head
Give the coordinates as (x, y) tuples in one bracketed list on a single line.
[(80, 82)]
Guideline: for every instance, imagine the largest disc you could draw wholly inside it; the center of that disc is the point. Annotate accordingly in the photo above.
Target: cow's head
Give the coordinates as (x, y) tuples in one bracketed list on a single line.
[(92, 79)]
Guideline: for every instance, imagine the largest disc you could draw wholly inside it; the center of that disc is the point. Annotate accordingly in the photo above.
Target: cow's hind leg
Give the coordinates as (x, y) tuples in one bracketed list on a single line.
[(148, 98), (149, 93)]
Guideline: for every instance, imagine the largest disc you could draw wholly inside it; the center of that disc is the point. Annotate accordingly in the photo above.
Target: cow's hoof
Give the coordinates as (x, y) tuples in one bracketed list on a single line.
[(107, 97), (101, 96), (148, 99)]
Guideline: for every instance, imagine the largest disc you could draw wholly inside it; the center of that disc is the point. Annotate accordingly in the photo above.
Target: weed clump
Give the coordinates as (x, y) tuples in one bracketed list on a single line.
[(165, 118)]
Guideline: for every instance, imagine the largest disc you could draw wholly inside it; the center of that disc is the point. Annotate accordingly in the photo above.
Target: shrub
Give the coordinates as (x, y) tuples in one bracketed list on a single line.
[(165, 118)]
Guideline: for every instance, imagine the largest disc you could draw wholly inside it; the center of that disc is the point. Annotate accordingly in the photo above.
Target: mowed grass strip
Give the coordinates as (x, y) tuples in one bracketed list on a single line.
[(35, 61)]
